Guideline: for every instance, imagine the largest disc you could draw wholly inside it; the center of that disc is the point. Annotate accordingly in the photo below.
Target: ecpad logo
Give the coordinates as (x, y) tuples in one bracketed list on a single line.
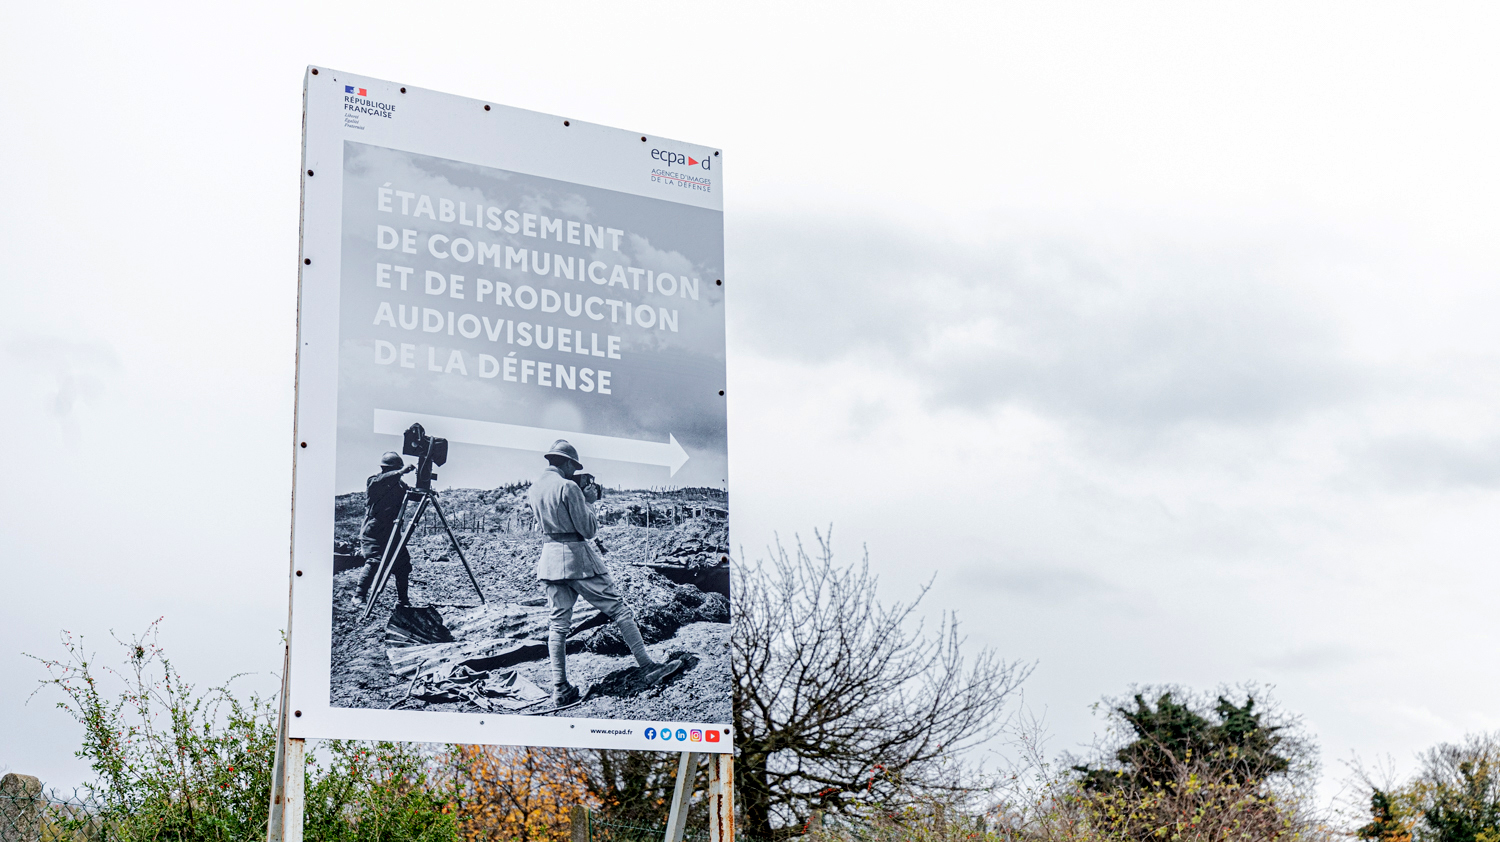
[(671, 158), (650, 733), (695, 735)]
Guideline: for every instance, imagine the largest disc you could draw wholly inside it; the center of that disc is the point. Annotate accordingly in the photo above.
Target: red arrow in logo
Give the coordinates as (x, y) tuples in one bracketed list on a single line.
[(692, 163)]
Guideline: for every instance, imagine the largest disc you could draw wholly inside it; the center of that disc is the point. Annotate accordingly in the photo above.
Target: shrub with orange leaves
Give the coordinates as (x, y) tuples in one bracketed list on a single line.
[(517, 793)]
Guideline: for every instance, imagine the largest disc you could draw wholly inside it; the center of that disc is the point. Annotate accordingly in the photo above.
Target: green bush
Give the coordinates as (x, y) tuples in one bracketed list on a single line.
[(1454, 797), (171, 763)]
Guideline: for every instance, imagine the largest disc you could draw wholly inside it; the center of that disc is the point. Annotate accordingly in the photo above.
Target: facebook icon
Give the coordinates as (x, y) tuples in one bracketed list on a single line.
[(650, 733)]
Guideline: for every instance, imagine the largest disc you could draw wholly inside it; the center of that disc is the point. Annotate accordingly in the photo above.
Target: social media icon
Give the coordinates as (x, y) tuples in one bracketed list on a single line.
[(681, 734), (666, 733), (650, 733), (712, 736), (695, 735)]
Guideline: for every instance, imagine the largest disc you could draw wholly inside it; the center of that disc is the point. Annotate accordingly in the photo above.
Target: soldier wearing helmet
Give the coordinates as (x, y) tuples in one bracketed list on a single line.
[(384, 494), (570, 567)]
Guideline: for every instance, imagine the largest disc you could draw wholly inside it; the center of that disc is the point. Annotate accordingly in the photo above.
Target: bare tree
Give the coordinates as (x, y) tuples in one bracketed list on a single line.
[(633, 787), (842, 702)]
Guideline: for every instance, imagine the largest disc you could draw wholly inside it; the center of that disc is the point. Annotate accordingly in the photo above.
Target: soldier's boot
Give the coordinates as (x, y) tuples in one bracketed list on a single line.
[(652, 671), (564, 694), (402, 597), (657, 673), (365, 581)]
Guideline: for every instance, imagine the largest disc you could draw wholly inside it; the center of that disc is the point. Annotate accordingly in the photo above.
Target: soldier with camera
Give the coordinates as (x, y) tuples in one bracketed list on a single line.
[(384, 494), (570, 566)]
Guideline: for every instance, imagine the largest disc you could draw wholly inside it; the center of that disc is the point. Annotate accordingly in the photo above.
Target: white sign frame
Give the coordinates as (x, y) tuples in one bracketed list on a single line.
[(487, 134)]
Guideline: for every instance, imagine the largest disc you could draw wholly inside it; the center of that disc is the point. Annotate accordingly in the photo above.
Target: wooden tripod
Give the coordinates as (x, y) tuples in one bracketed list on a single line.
[(393, 546)]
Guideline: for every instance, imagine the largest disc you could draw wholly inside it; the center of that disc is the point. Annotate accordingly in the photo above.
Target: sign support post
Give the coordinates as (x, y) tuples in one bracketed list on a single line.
[(287, 775), (721, 798), (284, 820), (682, 793), (287, 794)]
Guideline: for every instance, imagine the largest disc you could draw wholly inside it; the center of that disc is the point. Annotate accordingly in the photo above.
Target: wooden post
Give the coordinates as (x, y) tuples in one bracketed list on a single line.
[(721, 798), (682, 793), (578, 824)]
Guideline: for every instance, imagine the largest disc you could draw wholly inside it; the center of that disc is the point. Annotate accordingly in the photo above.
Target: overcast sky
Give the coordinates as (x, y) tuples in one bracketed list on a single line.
[(1163, 335)]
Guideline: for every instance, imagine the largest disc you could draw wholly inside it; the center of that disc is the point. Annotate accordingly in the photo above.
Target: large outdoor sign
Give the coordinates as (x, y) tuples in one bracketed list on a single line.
[(510, 510)]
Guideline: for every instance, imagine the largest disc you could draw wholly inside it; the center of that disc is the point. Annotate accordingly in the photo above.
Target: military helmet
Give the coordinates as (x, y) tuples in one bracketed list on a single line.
[(392, 459), (565, 450)]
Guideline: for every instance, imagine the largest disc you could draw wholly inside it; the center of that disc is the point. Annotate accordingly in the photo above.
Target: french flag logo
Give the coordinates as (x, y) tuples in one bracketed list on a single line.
[(350, 89)]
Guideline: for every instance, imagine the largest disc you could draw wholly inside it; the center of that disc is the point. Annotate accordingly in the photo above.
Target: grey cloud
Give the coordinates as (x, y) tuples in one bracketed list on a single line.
[(1142, 339), (1426, 461), (1313, 658), (1047, 583)]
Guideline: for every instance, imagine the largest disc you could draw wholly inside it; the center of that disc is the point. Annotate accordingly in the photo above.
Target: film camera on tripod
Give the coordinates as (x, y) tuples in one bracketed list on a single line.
[(431, 452)]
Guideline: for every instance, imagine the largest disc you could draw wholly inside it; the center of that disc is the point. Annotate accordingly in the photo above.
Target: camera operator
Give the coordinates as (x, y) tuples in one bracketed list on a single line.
[(570, 567), (384, 494)]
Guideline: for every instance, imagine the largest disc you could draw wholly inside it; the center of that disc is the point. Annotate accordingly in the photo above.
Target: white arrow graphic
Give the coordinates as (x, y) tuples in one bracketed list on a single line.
[(667, 455)]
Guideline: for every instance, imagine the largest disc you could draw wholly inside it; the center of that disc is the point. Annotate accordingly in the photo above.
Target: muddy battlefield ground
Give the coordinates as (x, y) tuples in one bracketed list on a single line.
[(667, 552)]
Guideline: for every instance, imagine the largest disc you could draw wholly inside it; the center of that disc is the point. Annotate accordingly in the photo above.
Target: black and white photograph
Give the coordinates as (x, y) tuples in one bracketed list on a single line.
[(531, 505), (533, 597)]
